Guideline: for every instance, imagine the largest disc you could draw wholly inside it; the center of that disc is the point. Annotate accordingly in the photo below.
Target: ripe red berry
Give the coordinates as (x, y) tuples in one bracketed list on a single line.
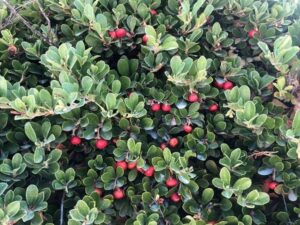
[(213, 108), (173, 142), (166, 107), (163, 146), (171, 182), (118, 193), (155, 107), (101, 144), (145, 39), (131, 165), (228, 85), (272, 185), (218, 84), (175, 197), (98, 191), (213, 222), (193, 97), (75, 140), (121, 164), (12, 50), (112, 34), (121, 32), (153, 12), (149, 172), (251, 33), (187, 128)]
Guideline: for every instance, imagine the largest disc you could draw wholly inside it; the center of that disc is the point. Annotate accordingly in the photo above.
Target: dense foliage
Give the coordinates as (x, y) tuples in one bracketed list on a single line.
[(149, 112)]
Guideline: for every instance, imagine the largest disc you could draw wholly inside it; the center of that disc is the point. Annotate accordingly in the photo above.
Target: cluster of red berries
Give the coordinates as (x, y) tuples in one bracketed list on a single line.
[(118, 193), (170, 183), (118, 33), (100, 143), (227, 85), (149, 172), (155, 107)]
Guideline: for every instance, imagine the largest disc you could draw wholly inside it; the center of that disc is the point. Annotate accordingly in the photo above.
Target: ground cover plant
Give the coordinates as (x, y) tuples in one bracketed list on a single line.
[(149, 112)]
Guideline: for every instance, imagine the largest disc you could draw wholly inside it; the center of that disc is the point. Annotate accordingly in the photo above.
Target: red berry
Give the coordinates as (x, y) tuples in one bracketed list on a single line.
[(267, 181), (166, 107), (112, 34), (121, 32), (175, 197), (251, 33), (153, 12), (145, 39), (173, 142), (118, 193), (272, 185), (155, 107), (228, 85), (75, 140), (193, 97), (218, 84), (187, 128), (149, 172), (213, 108), (131, 165), (171, 182), (163, 146), (121, 164), (101, 144), (213, 222), (98, 191)]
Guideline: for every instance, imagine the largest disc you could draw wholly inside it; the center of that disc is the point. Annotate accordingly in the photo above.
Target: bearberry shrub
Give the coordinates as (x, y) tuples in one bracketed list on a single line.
[(149, 112)]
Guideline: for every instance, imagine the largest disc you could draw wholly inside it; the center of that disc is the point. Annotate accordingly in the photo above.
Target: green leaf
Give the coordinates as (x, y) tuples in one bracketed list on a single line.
[(249, 110), (296, 123), (82, 208), (38, 155), (123, 67), (87, 84), (225, 176), (207, 195), (13, 208), (30, 133), (89, 12), (3, 187), (242, 184), (110, 101), (3, 87), (167, 155), (264, 47), (31, 194), (116, 86)]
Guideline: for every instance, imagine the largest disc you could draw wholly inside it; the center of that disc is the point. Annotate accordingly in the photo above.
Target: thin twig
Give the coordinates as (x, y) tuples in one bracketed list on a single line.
[(61, 221), (25, 22), (257, 154), (286, 209), (45, 16)]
